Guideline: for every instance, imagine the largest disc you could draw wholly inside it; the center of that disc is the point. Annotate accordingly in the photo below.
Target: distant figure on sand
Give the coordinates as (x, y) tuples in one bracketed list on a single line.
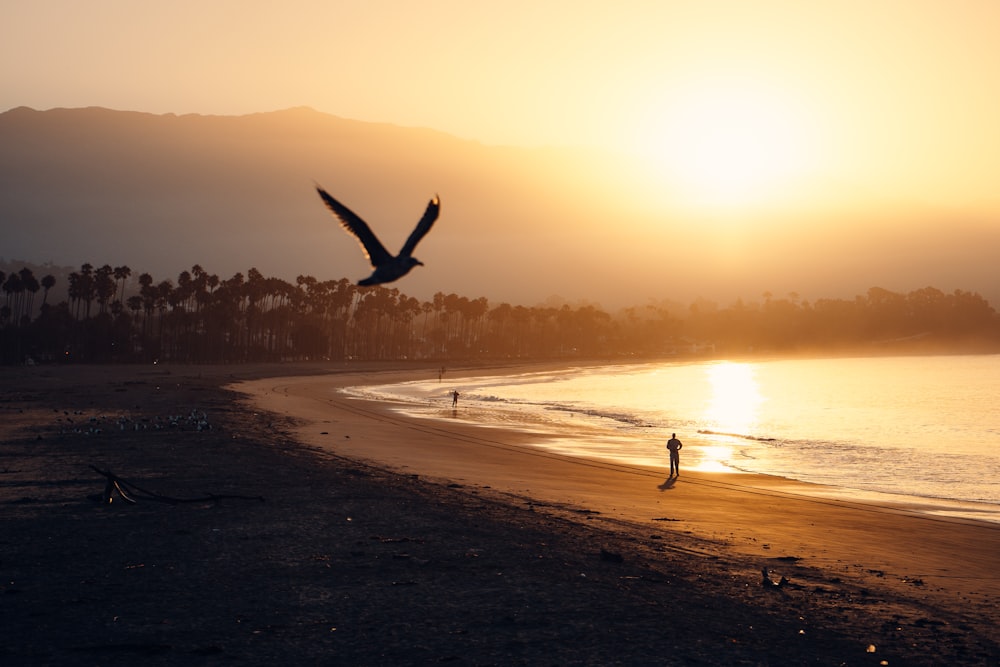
[(674, 447), (454, 398)]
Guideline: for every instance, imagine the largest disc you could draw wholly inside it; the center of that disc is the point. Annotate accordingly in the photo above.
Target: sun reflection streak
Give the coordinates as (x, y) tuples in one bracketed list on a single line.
[(714, 459), (735, 403)]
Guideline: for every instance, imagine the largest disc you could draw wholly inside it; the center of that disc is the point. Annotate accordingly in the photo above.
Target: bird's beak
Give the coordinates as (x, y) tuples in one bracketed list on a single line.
[(419, 263)]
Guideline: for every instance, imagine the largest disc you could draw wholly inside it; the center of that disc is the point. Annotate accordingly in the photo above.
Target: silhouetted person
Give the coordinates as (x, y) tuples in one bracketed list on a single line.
[(454, 398), (674, 447)]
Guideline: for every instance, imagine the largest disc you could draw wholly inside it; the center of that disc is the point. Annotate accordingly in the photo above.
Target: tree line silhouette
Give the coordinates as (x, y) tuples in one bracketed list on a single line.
[(201, 318)]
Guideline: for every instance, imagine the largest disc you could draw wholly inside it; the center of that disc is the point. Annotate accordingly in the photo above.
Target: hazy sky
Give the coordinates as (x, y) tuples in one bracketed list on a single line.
[(881, 106), (902, 96)]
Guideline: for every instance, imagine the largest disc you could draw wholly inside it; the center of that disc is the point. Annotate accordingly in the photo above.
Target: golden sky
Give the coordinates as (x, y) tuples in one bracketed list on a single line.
[(877, 108), (900, 97)]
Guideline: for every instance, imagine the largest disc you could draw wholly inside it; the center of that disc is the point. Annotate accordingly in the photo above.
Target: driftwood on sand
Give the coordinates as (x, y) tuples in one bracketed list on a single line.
[(131, 492)]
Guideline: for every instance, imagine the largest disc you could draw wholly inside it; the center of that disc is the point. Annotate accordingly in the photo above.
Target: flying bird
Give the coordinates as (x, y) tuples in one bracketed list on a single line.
[(387, 267)]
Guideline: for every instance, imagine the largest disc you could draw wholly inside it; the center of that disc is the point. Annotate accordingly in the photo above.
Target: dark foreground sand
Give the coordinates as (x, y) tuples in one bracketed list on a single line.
[(384, 540)]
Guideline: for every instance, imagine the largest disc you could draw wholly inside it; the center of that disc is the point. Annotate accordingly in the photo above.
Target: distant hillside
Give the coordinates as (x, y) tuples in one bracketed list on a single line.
[(162, 192)]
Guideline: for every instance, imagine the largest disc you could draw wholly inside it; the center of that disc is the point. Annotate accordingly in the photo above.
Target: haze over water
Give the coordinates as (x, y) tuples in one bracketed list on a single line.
[(913, 427)]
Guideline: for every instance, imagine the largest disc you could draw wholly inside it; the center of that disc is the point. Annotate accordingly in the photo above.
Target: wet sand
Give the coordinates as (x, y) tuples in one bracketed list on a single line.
[(756, 515), (383, 539)]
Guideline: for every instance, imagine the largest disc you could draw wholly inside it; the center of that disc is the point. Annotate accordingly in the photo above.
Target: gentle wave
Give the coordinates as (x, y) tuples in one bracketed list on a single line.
[(920, 427)]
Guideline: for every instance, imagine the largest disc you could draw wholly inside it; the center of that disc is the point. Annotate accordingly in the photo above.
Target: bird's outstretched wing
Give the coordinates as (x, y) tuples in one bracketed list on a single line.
[(424, 226), (376, 252)]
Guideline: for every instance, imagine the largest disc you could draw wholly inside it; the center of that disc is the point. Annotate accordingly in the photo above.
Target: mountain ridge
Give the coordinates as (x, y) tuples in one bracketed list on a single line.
[(162, 192), (165, 191)]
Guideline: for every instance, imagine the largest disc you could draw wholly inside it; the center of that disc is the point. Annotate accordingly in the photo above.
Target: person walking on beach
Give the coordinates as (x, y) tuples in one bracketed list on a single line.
[(674, 447), (454, 398)]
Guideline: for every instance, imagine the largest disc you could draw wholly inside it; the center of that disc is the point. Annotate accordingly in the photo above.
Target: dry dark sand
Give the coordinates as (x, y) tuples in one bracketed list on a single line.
[(386, 540)]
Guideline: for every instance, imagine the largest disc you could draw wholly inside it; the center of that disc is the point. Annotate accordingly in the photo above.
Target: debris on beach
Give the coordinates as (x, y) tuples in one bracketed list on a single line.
[(131, 492), (766, 581), (96, 425)]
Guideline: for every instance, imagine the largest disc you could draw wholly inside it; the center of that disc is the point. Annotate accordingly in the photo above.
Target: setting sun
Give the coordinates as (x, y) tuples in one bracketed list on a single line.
[(623, 151), (730, 145)]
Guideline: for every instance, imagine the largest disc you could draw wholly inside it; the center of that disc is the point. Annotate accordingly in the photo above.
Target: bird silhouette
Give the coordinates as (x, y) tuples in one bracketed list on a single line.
[(387, 267)]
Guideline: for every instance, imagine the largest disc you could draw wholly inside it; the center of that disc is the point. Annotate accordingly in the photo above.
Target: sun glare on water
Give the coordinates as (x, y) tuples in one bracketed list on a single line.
[(732, 409), (735, 402)]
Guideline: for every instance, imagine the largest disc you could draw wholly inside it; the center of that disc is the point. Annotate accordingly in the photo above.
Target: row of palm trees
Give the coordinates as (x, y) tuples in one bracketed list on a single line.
[(201, 318)]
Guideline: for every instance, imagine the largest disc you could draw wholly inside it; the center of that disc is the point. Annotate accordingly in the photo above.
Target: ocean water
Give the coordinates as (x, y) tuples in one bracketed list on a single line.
[(921, 427)]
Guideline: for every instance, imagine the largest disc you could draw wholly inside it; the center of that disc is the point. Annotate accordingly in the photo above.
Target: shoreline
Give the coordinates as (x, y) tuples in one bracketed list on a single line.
[(794, 518), (387, 540), (552, 432)]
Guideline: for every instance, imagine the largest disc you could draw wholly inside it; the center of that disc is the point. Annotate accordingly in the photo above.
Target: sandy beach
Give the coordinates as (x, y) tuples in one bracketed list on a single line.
[(307, 525)]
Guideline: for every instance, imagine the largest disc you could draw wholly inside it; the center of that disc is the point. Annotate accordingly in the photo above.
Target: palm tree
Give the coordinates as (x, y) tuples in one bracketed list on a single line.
[(48, 282), (74, 293), (13, 287), (164, 295), (476, 310), (31, 287), (498, 339), (88, 290), (147, 293), (104, 287), (122, 274)]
